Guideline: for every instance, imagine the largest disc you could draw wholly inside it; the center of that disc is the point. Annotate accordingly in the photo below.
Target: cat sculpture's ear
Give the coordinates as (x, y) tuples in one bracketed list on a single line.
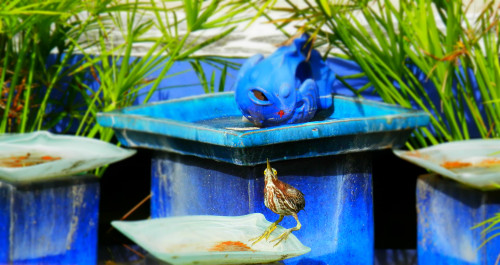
[(306, 105)]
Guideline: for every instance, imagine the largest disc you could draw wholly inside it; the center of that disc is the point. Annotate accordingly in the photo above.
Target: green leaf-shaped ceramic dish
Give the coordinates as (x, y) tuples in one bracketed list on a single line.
[(473, 162), (42, 155), (205, 239)]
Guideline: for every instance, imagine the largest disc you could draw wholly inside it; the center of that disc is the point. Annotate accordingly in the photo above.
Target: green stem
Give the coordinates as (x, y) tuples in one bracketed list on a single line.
[(13, 83), (27, 95)]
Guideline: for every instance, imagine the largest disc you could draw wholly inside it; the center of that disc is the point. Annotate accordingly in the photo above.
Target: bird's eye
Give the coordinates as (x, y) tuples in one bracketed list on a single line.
[(275, 172), (265, 171)]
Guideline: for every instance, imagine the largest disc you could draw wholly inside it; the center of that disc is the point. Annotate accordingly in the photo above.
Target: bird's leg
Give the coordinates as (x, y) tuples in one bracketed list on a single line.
[(267, 232), (285, 234)]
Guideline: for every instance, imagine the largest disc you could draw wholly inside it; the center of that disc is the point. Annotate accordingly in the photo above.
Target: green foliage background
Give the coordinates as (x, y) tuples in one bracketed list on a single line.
[(388, 39), (32, 30)]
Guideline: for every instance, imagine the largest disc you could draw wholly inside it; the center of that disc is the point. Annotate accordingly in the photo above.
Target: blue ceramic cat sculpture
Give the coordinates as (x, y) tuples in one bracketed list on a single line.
[(292, 85)]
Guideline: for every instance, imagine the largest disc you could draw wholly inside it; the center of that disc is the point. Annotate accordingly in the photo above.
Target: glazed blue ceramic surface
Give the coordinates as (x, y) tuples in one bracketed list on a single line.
[(292, 85), (337, 222), (447, 211), (49, 211), (211, 126), (50, 222), (210, 161)]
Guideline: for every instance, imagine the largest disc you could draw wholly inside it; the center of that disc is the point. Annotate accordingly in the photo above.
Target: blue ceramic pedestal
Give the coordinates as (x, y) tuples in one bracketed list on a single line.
[(337, 223), (447, 210), (209, 161), (49, 222)]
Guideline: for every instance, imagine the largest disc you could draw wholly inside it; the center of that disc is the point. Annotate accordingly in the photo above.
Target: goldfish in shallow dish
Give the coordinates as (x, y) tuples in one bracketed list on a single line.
[(292, 85)]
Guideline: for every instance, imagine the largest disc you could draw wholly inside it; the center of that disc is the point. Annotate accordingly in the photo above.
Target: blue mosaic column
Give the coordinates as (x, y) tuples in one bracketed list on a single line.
[(447, 210), (337, 223), (49, 222)]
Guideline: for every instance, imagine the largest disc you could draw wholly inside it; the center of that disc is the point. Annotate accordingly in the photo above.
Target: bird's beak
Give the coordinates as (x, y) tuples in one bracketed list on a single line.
[(269, 166)]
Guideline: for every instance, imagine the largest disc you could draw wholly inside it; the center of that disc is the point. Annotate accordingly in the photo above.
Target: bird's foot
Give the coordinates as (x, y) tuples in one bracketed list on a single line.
[(265, 235), (282, 237)]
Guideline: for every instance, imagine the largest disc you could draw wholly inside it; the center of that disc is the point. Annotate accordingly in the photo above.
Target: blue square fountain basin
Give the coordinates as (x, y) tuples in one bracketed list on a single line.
[(211, 126)]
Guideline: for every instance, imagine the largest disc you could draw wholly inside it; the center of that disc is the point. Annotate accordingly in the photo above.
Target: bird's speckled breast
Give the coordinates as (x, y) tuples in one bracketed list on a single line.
[(275, 198)]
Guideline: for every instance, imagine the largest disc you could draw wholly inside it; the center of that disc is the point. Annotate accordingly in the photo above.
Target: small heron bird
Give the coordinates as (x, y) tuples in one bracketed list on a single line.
[(283, 199)]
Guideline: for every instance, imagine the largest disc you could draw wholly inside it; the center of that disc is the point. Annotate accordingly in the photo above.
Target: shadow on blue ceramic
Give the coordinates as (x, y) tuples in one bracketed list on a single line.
[(74, 155), (395, 257), (205, 239), (473, 162), (292, 85)]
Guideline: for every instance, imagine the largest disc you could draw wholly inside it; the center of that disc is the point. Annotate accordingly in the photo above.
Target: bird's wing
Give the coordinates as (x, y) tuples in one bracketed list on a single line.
[(293, 191), (297, 201)]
